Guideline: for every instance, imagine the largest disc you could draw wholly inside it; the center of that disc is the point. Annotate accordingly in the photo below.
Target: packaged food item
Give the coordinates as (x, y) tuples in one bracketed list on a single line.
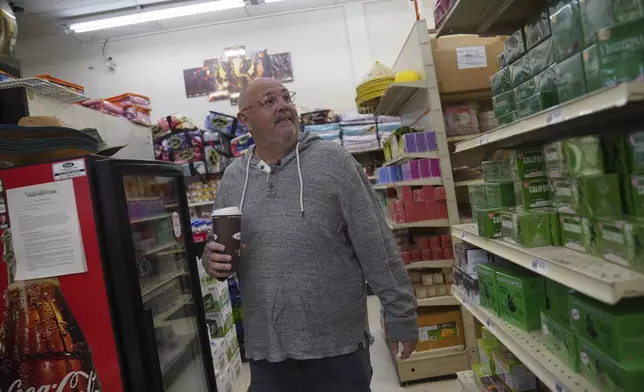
[(525, 90), (590, 196), (219, 122), (103, 106), (634, 195), (532, 193), (520, 70), (487, 121), (504, 104), (565, 23), (541, 56), (535, 104), (575, 157), (501, 60), (508, 118), (617, 330), (477, 194), (438, 328), (187, 155), (572, 232), (621, 53), (461, 119), (467, 257), (489, 222), (591, 68), (627, 10), (161, 151), (521, 298), (240, 144), (501, 81), (131, 99), (607, 374), (618, 241), (215, 161), (486, 348), (498, 195), (514, 46), (515, 374), (555, 229), (488, 291), (557, 303), (493, 384), (571, 79), (537, 29), (595, 15), (560, 341), (526, 228), (522, 164), (480, 370)]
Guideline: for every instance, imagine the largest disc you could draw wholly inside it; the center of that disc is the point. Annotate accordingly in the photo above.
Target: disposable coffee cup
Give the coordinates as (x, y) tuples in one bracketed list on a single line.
[(226, 225)]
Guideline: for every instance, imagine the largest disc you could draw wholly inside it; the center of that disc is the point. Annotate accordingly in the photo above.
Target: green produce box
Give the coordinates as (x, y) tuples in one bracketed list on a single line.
[(555, 159), (501, 81), (583, 156), (616, 330), (591, 196), (621, 52), (515, 374), (542, 56), (532, 193), (504, 104), (555, 229), (618, 241), (508, 118), (565, 23), (627, 10), (591, 68), (576, 233), (565, 195), (486, 348), (536, 104), (521, 298), (514, 46), (537, 29), (499, 194), (605, 373), (525, 90), (528, 229), (520, 164), (560, 341), (487, 287), (571, 79), (477, 194), (595, 15), (557, 302), (489, 222), (520, 70)]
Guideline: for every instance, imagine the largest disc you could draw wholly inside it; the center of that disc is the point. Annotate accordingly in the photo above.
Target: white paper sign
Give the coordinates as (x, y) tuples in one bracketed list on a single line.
[(69, 169), (471, 57), (539, 266), (45, 230)]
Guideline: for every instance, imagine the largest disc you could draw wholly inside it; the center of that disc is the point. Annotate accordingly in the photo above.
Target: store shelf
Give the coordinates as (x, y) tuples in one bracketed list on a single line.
[(201, 203), (602, 105), (429, 223), (454, 139), (466, 381), (365, 151), (446, 300), (424, 181), (592, 276), (168, 356), (467, 96), (157, 286), (151, 218), (181, 302), (45, 87), (397, 97), (243, 383), (160, 248), (529, 349), (468, 182), (429, 264), (412, 155), (489, 17)]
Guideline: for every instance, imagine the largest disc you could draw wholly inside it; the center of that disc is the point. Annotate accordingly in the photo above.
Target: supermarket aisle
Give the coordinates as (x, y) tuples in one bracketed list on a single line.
[(384, 374)]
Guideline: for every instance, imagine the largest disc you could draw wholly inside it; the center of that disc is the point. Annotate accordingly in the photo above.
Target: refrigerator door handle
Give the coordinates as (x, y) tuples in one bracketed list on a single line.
[(154, 362)]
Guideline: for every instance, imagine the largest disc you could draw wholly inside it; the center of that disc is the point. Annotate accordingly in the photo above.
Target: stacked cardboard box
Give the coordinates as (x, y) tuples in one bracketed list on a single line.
[(417, 205), (439, 327), (432, 283)]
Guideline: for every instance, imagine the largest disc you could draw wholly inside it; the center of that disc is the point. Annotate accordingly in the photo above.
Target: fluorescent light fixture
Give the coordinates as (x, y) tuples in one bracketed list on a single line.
[(150, 16)]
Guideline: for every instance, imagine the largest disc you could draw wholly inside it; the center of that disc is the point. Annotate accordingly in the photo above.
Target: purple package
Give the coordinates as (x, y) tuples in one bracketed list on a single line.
[(394, 174), (406, 175), (409, 142), (425, 171), (383, 175), (414, 169), (421, 141), (432, 144), (178, 141), (435, 167)]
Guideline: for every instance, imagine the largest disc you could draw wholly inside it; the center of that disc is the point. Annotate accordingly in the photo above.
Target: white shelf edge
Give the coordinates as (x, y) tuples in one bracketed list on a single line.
[(429, 264), (151, 218), (434, 354), (468, 182), (529, 349), (411, 155), (424, 181), (592, 103), (397, 96), (148, 293), (592, 276), (159, 248), (202, 203), (428, 223), (446, 300)]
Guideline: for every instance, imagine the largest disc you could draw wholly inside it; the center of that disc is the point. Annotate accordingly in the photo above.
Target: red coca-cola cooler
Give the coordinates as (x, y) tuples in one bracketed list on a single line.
[(100, 288)]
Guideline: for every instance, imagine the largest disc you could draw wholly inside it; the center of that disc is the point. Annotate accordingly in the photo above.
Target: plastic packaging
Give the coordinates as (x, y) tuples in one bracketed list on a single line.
[(137, 114), (461, 119), (240, 144), (504, 104), (571, 80), (542, 56), (130, 99), (223, 123), (595, 15), (591, 68), (520, 70), (501, 81), (565, 23), (514, 46), (537, 29), (621, 53)]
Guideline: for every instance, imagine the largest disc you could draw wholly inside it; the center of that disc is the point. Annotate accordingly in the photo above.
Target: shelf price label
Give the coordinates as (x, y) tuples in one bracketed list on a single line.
[(463, 235), (560, 388), (482, 140), (490, 325), (539, 266), (554, 116)]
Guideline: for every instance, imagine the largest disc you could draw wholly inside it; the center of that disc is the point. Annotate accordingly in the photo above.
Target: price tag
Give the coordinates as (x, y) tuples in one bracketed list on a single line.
[(490, 325), (482, 139), (554, 116), (560, 388), (466, 302), (463, 235), (539, 266)]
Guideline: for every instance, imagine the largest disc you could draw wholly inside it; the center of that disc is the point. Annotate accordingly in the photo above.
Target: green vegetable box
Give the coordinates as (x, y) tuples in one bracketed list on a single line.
[(521, 298), (532, 193), (526, 228), (488, 291), (578, 233), (560, 341), (607, 374), (621, 242), (617, 330), (591, 196)]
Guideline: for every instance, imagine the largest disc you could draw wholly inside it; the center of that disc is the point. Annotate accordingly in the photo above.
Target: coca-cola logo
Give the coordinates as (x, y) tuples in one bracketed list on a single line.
[(69, 383)]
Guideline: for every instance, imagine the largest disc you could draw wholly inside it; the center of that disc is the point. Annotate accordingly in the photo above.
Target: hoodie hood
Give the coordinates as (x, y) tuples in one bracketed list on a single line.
[(252, 162)]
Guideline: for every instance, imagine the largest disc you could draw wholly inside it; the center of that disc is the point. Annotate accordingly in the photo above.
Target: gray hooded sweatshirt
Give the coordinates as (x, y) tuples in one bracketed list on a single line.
[(314, 233)]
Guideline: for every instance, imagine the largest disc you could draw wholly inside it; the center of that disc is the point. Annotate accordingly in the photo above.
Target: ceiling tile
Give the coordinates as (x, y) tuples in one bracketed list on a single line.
[(30, 26)]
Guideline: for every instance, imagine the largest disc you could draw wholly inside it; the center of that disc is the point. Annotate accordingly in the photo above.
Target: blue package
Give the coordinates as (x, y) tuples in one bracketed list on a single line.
[(219, 122)]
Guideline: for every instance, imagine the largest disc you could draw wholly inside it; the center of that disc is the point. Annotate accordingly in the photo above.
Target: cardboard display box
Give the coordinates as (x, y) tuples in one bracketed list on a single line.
[(514, 373), (605, 373), (438, 328), (560, 341), (521, 298), (453, 78)]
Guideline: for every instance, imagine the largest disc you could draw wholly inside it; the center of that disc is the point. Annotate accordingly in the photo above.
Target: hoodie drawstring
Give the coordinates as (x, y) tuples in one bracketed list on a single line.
[(299, 173)]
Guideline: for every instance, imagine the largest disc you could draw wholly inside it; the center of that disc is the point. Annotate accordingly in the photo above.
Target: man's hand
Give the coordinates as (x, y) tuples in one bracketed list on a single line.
[(408, 347), (218, 264)]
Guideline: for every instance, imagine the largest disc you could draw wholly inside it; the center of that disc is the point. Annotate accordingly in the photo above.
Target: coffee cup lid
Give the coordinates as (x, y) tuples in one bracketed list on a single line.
[(226, 211)]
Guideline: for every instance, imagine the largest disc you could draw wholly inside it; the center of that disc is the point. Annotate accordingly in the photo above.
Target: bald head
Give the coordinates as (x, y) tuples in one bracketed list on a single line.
[(254, 91)]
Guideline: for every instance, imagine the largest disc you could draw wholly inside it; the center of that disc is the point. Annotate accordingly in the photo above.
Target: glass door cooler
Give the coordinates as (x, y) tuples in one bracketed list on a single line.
[(136, 311)]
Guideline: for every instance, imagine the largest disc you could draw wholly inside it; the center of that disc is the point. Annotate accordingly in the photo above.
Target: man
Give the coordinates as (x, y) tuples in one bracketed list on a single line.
[(312, 233)]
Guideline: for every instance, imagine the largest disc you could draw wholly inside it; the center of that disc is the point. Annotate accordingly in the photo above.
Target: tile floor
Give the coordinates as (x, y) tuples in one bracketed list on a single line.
[(384, 374)]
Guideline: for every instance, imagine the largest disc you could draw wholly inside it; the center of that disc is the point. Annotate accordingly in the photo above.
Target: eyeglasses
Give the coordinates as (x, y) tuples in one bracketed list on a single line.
[(270, 101)]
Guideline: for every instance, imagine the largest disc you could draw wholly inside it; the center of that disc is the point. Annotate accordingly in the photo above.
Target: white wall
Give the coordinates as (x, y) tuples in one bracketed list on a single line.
[(326, 67)]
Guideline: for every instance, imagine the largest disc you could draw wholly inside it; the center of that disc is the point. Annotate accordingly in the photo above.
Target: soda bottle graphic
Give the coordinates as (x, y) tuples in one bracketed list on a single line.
[(42, 348)]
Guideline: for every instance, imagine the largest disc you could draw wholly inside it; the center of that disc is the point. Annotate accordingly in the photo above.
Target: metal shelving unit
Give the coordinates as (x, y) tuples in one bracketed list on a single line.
[(592, 276), (469, 182), (428, 223), (46, 88), (398, 95), (411, 155), (529, 349), (601, 106), (424, 181), (446, 300), (429, 264)]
